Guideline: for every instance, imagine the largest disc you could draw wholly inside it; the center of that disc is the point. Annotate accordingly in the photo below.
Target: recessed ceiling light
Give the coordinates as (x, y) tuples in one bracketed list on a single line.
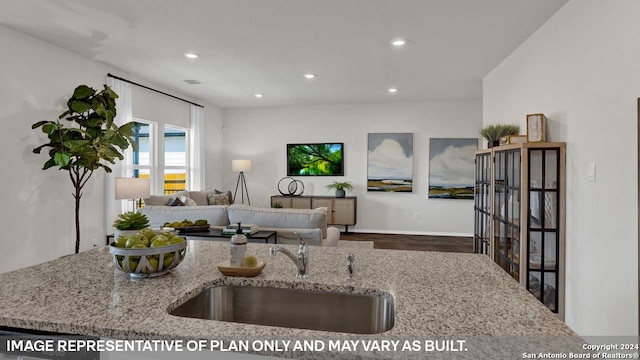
[(392, 90), (398, 42), (309, 76), (191, 55), (258, 95), (192, 82)]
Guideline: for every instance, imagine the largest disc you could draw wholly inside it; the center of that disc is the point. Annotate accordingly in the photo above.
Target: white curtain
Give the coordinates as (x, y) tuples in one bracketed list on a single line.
[(124, 114), (196, 150)]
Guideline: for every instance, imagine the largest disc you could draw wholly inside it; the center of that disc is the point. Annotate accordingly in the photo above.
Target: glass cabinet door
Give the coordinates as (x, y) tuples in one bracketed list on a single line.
[(482, 205), (506, 215), (543, 225)]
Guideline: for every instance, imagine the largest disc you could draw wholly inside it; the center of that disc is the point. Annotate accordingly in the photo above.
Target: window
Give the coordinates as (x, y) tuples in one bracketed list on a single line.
[(163, 158), (142, 157), (176, 160)]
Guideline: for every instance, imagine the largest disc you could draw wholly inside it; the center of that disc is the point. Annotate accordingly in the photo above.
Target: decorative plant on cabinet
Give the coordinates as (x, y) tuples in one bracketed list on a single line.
[(340, 188), (89, 140), (493, 132)]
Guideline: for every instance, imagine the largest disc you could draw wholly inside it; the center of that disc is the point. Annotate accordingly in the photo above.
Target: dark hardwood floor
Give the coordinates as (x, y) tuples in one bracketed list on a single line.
[(414, 242)]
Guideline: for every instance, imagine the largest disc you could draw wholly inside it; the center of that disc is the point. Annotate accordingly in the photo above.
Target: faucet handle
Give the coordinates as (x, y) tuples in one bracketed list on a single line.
[(300, 240)]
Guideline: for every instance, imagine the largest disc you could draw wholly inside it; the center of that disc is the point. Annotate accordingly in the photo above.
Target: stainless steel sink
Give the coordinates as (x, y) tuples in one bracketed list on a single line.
[(292, 308)]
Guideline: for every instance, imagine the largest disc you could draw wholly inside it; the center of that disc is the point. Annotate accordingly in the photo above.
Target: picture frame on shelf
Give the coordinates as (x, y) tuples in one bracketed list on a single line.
[(536, 128)]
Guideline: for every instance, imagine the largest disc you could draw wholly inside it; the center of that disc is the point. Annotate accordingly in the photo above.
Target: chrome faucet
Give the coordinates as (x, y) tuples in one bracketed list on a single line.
[(351, 266), (301, 260)]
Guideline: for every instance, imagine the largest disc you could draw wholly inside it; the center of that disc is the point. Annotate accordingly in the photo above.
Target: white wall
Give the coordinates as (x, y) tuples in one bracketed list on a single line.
[(261, 135), (37, 219), (213, 147), (581, 70)]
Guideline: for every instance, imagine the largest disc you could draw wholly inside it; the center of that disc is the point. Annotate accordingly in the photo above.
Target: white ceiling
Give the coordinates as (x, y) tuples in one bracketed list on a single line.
[(265, 46)]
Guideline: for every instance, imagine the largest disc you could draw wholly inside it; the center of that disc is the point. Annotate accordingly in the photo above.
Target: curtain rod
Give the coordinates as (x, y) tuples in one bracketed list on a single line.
[(152, 89)]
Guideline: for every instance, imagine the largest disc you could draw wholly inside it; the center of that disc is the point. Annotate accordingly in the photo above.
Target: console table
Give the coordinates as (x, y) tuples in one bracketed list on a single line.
[(340, 211)]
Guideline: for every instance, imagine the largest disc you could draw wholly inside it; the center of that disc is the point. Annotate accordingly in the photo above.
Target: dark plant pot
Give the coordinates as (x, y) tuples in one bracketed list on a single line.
[(340, 193), (493, 143)]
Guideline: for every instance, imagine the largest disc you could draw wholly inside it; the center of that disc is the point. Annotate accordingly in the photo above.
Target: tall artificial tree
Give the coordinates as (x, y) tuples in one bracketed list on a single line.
[(87, 141)]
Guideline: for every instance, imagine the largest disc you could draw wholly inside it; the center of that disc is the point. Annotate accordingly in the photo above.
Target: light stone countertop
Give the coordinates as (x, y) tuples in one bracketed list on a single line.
[(436, 294)]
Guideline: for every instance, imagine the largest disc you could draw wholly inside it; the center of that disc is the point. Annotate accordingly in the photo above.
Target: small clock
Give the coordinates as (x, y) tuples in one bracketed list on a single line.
[(536, 128)]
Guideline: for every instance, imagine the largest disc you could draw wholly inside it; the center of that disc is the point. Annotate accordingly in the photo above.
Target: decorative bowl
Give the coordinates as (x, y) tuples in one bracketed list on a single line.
[(227, 270), (148, 262)]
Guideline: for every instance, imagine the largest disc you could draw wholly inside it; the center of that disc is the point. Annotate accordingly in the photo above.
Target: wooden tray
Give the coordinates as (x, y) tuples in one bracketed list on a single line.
[(227, 270)]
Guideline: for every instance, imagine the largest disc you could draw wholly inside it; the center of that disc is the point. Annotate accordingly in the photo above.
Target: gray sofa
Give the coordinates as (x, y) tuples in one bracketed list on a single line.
[(310, 224)]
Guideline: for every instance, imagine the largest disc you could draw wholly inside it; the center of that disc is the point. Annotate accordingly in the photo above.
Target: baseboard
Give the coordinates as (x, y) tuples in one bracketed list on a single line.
[(403, 232)]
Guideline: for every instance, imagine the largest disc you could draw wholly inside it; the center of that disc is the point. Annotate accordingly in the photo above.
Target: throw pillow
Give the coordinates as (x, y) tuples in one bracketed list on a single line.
[(174, 202), (226, 192), (163, 199), (200, 197), (218, 199), (188, 201)]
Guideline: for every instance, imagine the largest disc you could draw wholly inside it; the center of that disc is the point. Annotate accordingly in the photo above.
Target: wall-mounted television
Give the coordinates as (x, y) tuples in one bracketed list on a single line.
[(317, 159)]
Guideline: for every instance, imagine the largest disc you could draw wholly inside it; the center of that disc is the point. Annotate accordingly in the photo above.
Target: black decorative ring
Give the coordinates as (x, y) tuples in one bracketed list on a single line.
[(294, 187)]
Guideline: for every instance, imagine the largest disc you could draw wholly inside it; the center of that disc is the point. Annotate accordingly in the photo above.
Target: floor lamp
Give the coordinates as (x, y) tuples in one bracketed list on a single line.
[(133, 189), (241, 166)]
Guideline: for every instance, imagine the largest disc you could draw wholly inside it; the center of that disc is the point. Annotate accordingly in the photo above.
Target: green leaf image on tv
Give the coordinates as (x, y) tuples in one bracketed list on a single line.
[(321, 159)]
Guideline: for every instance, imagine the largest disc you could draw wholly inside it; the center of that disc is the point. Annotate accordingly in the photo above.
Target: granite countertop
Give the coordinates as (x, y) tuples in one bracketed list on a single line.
[(435, 294)]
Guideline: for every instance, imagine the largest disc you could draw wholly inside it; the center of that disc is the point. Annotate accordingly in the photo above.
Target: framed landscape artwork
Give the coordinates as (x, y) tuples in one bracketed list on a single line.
[(318, 159), (451, 168), (390, 162)]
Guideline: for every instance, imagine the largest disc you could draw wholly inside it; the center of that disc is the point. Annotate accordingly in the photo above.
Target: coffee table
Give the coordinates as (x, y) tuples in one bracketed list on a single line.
[(262, 235)]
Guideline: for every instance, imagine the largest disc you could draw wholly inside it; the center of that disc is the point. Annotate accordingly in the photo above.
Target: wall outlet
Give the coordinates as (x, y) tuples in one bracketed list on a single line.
[(416, 215)]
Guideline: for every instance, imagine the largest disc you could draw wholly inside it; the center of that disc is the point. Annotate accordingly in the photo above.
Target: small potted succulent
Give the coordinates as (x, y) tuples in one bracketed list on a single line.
[(494, 132), (129, 224), (339, 187)]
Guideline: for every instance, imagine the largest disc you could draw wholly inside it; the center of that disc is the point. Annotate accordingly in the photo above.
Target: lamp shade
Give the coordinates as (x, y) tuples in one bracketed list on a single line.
[(132, 188), (240, 165)]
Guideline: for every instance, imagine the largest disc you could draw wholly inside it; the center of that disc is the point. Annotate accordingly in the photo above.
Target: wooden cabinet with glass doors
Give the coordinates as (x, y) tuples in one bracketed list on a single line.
[(482, 202), (524, 205)]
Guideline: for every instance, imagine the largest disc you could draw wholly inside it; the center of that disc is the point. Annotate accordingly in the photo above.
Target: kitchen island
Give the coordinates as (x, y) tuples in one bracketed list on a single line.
[(436, 295)]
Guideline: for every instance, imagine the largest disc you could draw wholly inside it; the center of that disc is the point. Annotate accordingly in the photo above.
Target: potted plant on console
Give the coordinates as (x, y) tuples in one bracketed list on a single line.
[(129, 224), (494, 132), (340, 187)]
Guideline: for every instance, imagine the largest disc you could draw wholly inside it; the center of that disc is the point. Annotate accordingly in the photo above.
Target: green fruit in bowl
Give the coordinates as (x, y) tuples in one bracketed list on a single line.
[(147, 233), (137, 246), (168, 260), (131, 241), (176, 240), (142, 239), (159, 236), (121, 241), (159, 241), (153, 263), (133, 264)]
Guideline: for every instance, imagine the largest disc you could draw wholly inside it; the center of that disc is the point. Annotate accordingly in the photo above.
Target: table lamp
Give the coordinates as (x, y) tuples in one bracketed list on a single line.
[(133, 189)]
